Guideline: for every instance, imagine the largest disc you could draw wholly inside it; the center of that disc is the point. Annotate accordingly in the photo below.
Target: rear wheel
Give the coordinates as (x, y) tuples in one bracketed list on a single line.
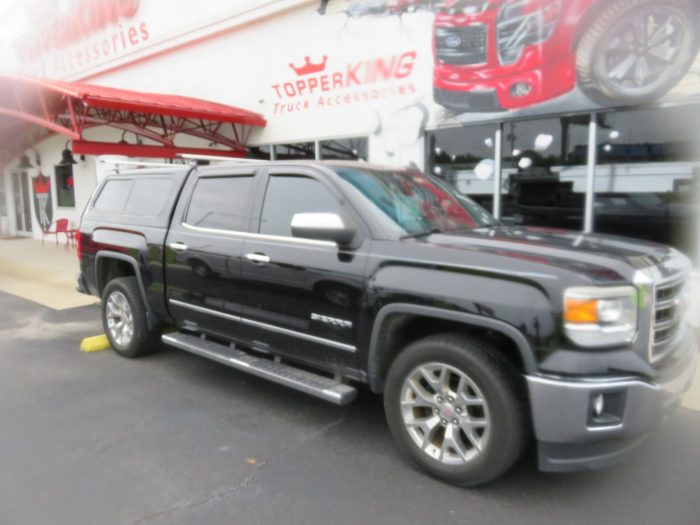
[(125, 320), (455, 409), (636, 51)]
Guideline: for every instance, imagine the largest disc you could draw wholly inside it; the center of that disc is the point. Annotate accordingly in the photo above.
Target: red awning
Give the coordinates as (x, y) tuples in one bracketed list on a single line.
[(32, 109)]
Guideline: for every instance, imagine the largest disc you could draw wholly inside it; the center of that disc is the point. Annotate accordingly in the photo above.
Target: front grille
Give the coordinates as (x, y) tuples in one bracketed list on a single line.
[(670, 303), (463, 46)]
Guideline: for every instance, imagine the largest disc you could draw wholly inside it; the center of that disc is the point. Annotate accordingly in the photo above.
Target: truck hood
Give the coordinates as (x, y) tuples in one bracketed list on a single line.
[(603, 258)]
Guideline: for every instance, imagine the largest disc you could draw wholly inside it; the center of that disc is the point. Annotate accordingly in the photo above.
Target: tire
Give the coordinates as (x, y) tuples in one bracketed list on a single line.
[(607, 51), (494, 380), (121, 300)]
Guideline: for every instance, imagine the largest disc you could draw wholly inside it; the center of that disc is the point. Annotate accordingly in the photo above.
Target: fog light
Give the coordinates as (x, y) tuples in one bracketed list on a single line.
[(598, 405), (521, 89)]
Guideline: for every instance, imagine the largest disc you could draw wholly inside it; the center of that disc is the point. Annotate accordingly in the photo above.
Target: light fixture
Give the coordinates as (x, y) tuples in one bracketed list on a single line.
[(67, 156), (24, 162)]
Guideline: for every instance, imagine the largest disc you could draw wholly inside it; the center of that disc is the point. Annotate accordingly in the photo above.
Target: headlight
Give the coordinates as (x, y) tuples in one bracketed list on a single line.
[(523, 23), (600, 316)]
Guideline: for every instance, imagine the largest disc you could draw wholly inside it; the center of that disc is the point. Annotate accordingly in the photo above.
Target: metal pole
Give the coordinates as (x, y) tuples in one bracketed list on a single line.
[(317, 147), (273, 152), (589, 212), (497, 162)]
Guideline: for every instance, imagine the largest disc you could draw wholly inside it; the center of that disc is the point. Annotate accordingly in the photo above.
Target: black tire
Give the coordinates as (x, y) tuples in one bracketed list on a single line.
[(499, 385), (143, 340), (593, 66)]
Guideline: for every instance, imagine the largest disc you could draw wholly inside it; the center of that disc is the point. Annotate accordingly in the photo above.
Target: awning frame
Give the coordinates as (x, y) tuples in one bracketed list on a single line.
[(39, 108)]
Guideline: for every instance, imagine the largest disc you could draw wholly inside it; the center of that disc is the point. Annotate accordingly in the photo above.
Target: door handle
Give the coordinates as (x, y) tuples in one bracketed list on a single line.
[(178, 246), (258, 258)]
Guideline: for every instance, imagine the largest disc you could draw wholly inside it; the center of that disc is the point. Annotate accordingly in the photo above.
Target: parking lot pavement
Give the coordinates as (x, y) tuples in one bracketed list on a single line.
[(174, 439)]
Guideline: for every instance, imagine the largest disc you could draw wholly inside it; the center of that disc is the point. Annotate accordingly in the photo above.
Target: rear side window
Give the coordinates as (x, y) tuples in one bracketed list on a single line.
[(220, 203), (287, 195), (145, 197), (148, 196), (113, 195)]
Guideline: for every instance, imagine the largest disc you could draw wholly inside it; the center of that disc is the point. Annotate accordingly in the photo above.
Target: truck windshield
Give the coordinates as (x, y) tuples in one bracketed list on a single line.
[(415, 202)]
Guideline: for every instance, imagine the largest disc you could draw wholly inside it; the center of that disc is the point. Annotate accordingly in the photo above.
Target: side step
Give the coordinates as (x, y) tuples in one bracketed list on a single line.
[(316, 385)]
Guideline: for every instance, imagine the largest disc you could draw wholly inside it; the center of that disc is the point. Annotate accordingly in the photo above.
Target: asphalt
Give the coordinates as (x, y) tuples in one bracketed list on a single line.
[(175, 439)]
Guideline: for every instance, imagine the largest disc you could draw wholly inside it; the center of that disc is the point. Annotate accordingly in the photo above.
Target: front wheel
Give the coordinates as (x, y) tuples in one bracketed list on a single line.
[(124, 318), (456, 409), (635, 51)]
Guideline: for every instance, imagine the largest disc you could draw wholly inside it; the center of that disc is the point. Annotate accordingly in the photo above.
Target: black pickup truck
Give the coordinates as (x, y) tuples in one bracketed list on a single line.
[(325, 276)]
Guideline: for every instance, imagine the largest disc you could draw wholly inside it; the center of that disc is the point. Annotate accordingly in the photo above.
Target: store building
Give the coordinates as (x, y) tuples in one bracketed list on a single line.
[(551, 113)]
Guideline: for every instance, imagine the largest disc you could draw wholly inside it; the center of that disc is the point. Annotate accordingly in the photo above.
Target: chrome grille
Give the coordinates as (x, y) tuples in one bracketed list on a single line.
[(461, 45), (670, 303)]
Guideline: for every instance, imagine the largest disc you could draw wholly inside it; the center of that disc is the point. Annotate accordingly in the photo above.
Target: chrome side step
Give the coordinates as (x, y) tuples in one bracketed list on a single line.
[(316, 385)]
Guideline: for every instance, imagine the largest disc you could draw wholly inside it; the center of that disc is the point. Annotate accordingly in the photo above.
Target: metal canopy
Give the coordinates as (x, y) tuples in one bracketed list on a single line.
[(33, 109)]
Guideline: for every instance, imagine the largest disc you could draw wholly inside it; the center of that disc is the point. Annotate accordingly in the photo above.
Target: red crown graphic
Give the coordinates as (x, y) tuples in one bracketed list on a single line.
[(308, 68), (41, 184)]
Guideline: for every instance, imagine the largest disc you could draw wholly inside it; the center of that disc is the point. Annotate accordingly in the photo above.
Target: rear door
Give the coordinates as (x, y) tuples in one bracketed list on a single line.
[(203, 251), (302, 297)]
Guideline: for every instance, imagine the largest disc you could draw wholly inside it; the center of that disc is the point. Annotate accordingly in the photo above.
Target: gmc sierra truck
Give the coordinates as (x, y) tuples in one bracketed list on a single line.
[(326, 276)]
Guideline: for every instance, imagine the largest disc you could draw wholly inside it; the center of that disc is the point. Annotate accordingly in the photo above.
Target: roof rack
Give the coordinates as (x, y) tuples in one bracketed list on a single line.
[(117, 163), (192, 156)]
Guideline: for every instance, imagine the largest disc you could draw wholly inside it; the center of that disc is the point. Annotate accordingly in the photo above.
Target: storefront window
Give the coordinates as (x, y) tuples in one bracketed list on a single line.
[(464, 157), (648, 170), (258, 152), (299, 150), (544, 171), (65, 186), (344, 149)]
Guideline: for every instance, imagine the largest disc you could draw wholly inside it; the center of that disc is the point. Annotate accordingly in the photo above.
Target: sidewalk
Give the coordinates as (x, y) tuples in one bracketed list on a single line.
[(43, 274)]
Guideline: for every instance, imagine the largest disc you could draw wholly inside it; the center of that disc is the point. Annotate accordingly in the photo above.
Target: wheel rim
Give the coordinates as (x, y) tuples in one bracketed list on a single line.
[(642, 50), (445, 413), (120, 320)]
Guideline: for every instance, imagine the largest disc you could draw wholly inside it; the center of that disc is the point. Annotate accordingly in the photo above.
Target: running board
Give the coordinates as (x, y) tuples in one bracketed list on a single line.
[(316, 385)]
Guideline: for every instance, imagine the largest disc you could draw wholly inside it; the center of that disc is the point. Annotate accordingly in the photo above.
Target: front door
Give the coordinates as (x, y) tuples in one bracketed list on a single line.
[(22, 199), (203, 252), (301, 297)]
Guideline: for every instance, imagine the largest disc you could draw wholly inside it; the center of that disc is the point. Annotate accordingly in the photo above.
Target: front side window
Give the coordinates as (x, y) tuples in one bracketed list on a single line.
[(220, 203), (415, 202), (288, 195)]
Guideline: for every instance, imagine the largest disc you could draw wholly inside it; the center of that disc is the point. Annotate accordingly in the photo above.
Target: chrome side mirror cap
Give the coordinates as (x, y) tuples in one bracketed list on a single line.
[(322, 227)]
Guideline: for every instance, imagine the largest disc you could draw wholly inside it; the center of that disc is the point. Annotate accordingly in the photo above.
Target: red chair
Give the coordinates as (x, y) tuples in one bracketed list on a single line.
[(60, 226)]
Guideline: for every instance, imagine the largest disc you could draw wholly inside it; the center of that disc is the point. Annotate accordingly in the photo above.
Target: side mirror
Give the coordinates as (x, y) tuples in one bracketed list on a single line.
[(322, 227)]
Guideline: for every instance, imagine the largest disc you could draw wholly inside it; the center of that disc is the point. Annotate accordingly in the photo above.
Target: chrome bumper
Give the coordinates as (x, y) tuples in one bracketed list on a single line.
[(568, 438)]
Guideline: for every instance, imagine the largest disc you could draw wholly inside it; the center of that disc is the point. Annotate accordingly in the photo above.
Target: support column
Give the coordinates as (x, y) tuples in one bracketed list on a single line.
[(589, 211), (273, 152), (317, 149), (497, 164)]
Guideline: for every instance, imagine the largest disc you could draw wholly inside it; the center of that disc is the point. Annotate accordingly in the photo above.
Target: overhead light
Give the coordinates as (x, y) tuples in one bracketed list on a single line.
[(24, 162), (67, 156)]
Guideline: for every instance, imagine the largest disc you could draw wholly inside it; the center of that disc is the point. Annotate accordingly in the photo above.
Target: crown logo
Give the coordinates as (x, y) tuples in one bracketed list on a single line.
[(309, 68), (41, 183)]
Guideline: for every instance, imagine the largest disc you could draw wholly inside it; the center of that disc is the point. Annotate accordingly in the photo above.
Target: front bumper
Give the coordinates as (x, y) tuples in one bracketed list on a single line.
[(569, 439), (489, 88)]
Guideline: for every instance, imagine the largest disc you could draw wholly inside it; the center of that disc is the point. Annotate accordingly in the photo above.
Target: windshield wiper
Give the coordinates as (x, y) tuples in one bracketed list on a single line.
[(421, 234)]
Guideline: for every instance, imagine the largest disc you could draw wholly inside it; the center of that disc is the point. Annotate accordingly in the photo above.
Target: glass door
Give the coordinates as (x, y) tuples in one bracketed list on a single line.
[(23, 207)]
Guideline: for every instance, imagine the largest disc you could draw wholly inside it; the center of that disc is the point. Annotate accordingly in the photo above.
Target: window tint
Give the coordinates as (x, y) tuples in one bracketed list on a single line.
[(220, 203), (149, 196), (113, 195), (287, 195)]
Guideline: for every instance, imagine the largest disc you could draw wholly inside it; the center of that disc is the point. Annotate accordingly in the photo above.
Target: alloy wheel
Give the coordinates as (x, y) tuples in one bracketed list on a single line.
[(445, 413), (120, 319)]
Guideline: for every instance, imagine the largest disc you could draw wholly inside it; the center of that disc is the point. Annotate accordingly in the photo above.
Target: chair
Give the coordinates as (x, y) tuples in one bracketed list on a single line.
[(59, 226)]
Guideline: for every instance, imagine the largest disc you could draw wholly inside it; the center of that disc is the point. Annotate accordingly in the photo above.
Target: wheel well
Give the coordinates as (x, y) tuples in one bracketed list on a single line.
[(399, 330), (589, 16), (110, 268)]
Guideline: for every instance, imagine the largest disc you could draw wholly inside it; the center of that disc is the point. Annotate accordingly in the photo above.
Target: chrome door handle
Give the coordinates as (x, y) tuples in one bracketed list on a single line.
[(257, 258), (178, 247)]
